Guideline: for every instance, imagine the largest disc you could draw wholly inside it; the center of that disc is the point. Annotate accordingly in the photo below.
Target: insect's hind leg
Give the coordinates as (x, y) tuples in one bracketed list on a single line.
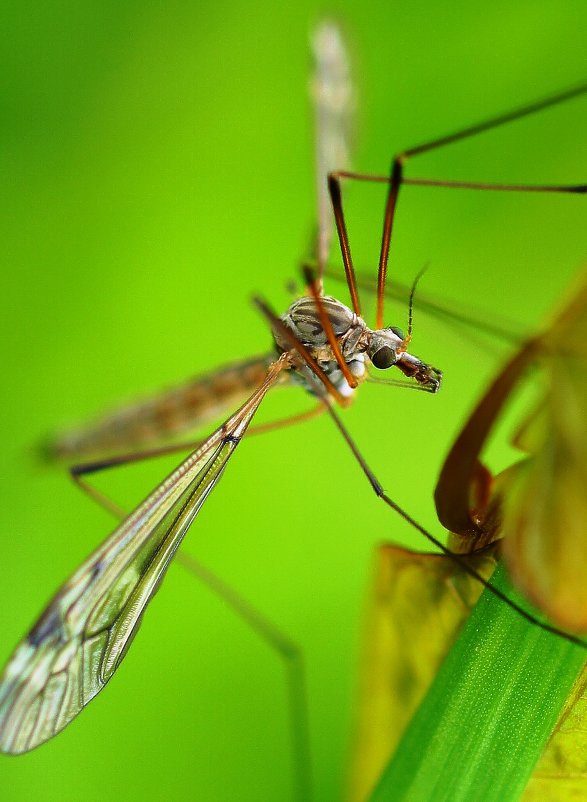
[(79, 471), (396, 179), (457, 558), (293, 660)]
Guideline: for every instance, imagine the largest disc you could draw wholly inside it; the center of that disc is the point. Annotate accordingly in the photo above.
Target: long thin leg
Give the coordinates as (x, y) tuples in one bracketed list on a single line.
[(396, 179), (397, 170), (77, 472), (290, 420), (572, 189), (343, 238), (500, 119), (457, 558)]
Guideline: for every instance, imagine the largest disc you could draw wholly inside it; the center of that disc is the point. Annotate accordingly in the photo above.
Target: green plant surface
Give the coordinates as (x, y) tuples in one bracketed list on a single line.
[(157, 164), (487, 717)]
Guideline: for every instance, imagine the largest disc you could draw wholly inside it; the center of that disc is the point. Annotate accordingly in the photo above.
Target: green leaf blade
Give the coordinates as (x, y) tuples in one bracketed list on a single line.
[(489, 713)]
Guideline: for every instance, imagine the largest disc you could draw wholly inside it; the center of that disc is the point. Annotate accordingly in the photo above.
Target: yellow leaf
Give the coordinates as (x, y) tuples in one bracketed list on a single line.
[(561, 773), (418, 606)]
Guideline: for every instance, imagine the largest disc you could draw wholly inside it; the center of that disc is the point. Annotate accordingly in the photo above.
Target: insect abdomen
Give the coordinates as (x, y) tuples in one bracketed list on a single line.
[(159, 419)]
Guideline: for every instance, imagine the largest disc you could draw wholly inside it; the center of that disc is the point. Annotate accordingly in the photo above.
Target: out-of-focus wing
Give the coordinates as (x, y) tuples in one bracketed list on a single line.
[(333, 96), (478, 323), (80, 640)]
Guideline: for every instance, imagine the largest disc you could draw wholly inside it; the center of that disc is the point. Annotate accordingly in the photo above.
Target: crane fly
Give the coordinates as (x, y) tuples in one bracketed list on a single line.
[(320, 343)]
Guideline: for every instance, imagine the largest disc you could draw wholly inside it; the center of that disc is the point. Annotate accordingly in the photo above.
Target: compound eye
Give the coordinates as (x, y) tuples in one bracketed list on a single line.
[(398, 332), (384, 358)]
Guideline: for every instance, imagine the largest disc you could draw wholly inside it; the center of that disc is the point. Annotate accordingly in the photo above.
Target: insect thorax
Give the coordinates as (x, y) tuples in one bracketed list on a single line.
[(359, 346), (351, 331)]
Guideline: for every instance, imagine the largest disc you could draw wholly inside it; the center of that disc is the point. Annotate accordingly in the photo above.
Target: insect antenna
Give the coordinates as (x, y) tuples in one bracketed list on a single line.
[(449, 312), (411, 298), (408, 337)]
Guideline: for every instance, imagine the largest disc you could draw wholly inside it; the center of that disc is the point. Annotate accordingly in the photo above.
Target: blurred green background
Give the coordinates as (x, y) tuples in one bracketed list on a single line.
[(157, 169)]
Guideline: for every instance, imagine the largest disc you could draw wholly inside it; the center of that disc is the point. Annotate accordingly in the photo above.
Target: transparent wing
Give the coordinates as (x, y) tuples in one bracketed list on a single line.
[(333, 96), (81, 638)]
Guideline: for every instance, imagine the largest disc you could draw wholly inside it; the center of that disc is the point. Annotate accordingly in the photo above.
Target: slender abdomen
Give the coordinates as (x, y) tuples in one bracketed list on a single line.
[(157, 420)]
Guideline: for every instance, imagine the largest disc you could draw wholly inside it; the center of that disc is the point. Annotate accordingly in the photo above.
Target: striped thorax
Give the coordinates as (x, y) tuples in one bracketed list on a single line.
[(359, 345)]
